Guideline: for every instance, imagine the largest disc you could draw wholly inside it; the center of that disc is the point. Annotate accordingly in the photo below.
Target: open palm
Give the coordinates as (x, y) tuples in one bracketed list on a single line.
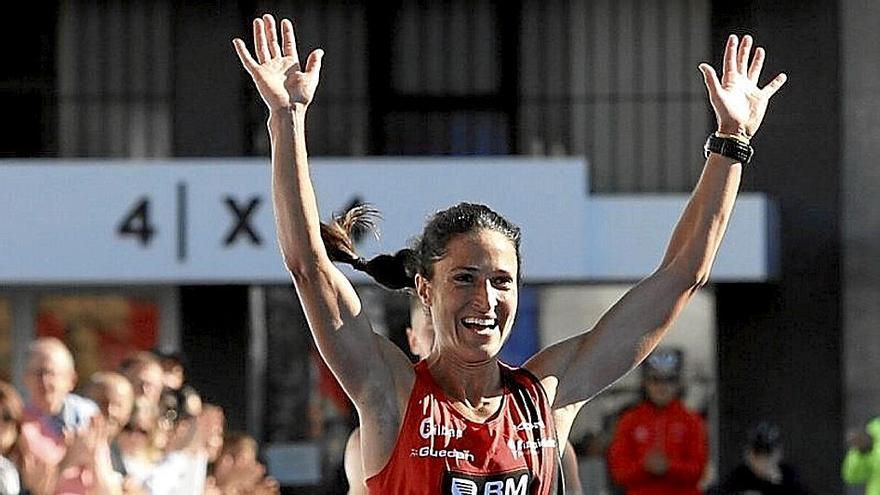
[(276, 70), (739, 103)]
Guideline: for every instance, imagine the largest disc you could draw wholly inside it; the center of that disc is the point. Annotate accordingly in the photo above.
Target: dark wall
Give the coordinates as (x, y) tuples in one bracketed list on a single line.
[(214, 338), (779, 344), (209, 116), (27, 81)]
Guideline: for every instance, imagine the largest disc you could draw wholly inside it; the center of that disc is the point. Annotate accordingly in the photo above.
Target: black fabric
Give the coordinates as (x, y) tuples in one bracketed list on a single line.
[(742, 479)]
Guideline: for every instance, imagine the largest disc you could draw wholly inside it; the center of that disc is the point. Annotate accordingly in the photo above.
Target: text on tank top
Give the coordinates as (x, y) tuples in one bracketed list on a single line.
[(439, 451)]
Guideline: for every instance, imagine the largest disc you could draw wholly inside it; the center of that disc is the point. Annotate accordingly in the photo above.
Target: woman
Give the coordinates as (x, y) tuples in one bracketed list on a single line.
[(460, 421), (11, 410)]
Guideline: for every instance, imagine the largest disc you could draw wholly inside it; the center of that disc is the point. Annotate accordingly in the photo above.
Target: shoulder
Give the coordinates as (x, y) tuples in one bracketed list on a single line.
[(81, 404), (78, 410), (353, 445), (873, 427), (693, 416)]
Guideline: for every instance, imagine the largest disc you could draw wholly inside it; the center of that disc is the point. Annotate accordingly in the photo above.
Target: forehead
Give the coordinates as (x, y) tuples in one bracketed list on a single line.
[(49, 358), (484, 250)]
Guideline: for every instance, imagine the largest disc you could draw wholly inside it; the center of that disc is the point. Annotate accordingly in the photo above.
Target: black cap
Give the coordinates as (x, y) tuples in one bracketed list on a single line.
[(664, 363)]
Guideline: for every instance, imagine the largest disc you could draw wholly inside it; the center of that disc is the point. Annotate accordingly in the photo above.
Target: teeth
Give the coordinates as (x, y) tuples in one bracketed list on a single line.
[(479, 321)]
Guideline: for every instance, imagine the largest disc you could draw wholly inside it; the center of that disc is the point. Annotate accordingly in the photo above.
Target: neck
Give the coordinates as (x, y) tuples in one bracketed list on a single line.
[(471, 384)]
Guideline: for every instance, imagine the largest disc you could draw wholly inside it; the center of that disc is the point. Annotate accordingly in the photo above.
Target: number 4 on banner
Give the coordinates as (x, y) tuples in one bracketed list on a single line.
[(137, 223)]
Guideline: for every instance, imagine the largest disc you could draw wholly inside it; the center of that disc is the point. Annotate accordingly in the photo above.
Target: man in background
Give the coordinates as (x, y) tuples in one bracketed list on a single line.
[(659, 446)]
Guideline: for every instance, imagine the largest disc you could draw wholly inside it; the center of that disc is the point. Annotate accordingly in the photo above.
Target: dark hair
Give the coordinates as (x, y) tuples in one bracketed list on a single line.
[(397, 271), (11, 405)]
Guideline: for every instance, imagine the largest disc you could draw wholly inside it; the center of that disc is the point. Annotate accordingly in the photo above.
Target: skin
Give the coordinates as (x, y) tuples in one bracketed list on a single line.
[(420, 337), (49, 375), (462, 361), (661, 392), (11, 404), (115, 398), (148, 380)]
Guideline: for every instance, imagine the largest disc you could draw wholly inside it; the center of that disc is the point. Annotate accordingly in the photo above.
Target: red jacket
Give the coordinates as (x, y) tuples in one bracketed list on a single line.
[(673, 430)]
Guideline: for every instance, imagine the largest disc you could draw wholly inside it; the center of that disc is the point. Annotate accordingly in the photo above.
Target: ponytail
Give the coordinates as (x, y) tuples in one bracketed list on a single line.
[(397, 271), (393, 271)]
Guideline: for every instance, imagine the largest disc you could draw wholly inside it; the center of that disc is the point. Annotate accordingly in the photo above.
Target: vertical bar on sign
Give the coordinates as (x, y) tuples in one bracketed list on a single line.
[(181, 221)]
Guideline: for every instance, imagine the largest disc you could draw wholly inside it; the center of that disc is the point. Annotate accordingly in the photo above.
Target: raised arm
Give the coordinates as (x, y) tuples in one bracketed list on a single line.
[(366, 364), (578, 368)]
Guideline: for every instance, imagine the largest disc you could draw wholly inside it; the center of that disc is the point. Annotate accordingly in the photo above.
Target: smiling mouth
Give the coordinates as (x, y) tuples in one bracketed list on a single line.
[(480, 325)]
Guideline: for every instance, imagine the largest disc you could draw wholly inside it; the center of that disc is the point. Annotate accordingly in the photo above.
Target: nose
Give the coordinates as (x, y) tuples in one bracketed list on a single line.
[(485, 297)]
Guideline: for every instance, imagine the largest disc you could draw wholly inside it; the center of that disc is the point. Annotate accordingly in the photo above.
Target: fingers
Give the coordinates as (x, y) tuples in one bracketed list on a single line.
[(244, 55), (271, 36), (757, 65), (773, 86), (711, 80), (730, 51), (313, 64), (742, 56), (288, 40), (261, 48)]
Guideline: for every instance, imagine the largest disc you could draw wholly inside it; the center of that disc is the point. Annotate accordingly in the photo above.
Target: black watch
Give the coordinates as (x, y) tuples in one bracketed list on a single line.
[(729, 147)]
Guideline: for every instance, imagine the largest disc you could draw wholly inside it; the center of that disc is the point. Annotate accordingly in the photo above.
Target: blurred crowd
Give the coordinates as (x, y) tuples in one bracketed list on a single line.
[(139, 429), (142, 430)]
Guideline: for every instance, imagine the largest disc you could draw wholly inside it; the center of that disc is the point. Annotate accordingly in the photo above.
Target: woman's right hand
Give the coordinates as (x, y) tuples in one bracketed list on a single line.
[(276, 71)]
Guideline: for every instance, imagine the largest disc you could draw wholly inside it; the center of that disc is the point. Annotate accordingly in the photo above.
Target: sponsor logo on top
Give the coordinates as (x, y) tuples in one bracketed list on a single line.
[(428, 429), (513, 483)]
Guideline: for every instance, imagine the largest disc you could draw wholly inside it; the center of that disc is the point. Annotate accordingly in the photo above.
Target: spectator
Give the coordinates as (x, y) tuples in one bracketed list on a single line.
[(237, 470), (144, 371), (178, 467), (862, 462), (178, 399), (63, 439), (659, 447), (11, 410), (762, 472), (115, 398)]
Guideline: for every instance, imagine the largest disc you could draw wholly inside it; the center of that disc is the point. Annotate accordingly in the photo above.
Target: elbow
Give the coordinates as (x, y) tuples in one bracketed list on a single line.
[(301, 270), (688, 277)]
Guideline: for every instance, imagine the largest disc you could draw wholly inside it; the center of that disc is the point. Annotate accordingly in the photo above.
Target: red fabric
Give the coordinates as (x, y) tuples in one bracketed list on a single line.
[(438, 451), (673, 430)]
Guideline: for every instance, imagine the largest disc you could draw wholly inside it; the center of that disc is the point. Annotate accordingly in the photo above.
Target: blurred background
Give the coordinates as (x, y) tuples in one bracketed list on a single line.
[(613, 83)]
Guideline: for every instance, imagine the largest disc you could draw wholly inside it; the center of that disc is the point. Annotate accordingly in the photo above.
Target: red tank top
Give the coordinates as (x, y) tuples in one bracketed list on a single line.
[(439, 451)]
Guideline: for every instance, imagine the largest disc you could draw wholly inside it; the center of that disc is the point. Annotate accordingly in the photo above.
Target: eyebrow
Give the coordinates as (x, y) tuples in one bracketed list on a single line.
[(473, 269)]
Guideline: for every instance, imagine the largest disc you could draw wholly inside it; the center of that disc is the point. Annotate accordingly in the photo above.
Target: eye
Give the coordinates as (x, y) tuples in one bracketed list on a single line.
[(464, 278), (503, 282)]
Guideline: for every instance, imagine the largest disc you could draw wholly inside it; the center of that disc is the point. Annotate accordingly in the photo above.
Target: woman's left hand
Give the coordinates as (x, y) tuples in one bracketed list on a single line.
[(739, 103)]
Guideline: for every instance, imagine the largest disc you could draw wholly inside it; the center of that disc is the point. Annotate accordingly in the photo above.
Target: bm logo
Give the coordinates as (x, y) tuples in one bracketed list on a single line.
[(512, 483)]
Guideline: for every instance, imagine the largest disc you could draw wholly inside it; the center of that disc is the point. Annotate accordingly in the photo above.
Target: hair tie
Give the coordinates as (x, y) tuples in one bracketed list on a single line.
[(359, 264)]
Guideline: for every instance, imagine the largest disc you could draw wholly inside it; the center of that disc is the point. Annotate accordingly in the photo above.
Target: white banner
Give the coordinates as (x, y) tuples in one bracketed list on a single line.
[(210, 221)]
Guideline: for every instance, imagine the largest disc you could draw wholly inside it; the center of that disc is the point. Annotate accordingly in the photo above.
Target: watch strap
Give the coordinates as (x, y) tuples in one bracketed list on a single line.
[(735, 149)]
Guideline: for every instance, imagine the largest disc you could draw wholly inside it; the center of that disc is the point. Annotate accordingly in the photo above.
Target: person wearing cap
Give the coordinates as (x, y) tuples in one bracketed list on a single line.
[(762, 471), (659, 446)]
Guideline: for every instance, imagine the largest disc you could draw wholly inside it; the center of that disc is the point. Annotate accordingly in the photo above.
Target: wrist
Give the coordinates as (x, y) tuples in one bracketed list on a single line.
[(734, 131)]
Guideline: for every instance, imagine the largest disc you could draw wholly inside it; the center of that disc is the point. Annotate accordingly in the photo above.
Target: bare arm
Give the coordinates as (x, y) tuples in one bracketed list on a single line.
[(578, 368), (365, 366)]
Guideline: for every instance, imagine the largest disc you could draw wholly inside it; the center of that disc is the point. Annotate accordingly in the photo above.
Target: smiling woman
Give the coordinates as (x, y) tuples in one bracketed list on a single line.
[(490, 428)]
